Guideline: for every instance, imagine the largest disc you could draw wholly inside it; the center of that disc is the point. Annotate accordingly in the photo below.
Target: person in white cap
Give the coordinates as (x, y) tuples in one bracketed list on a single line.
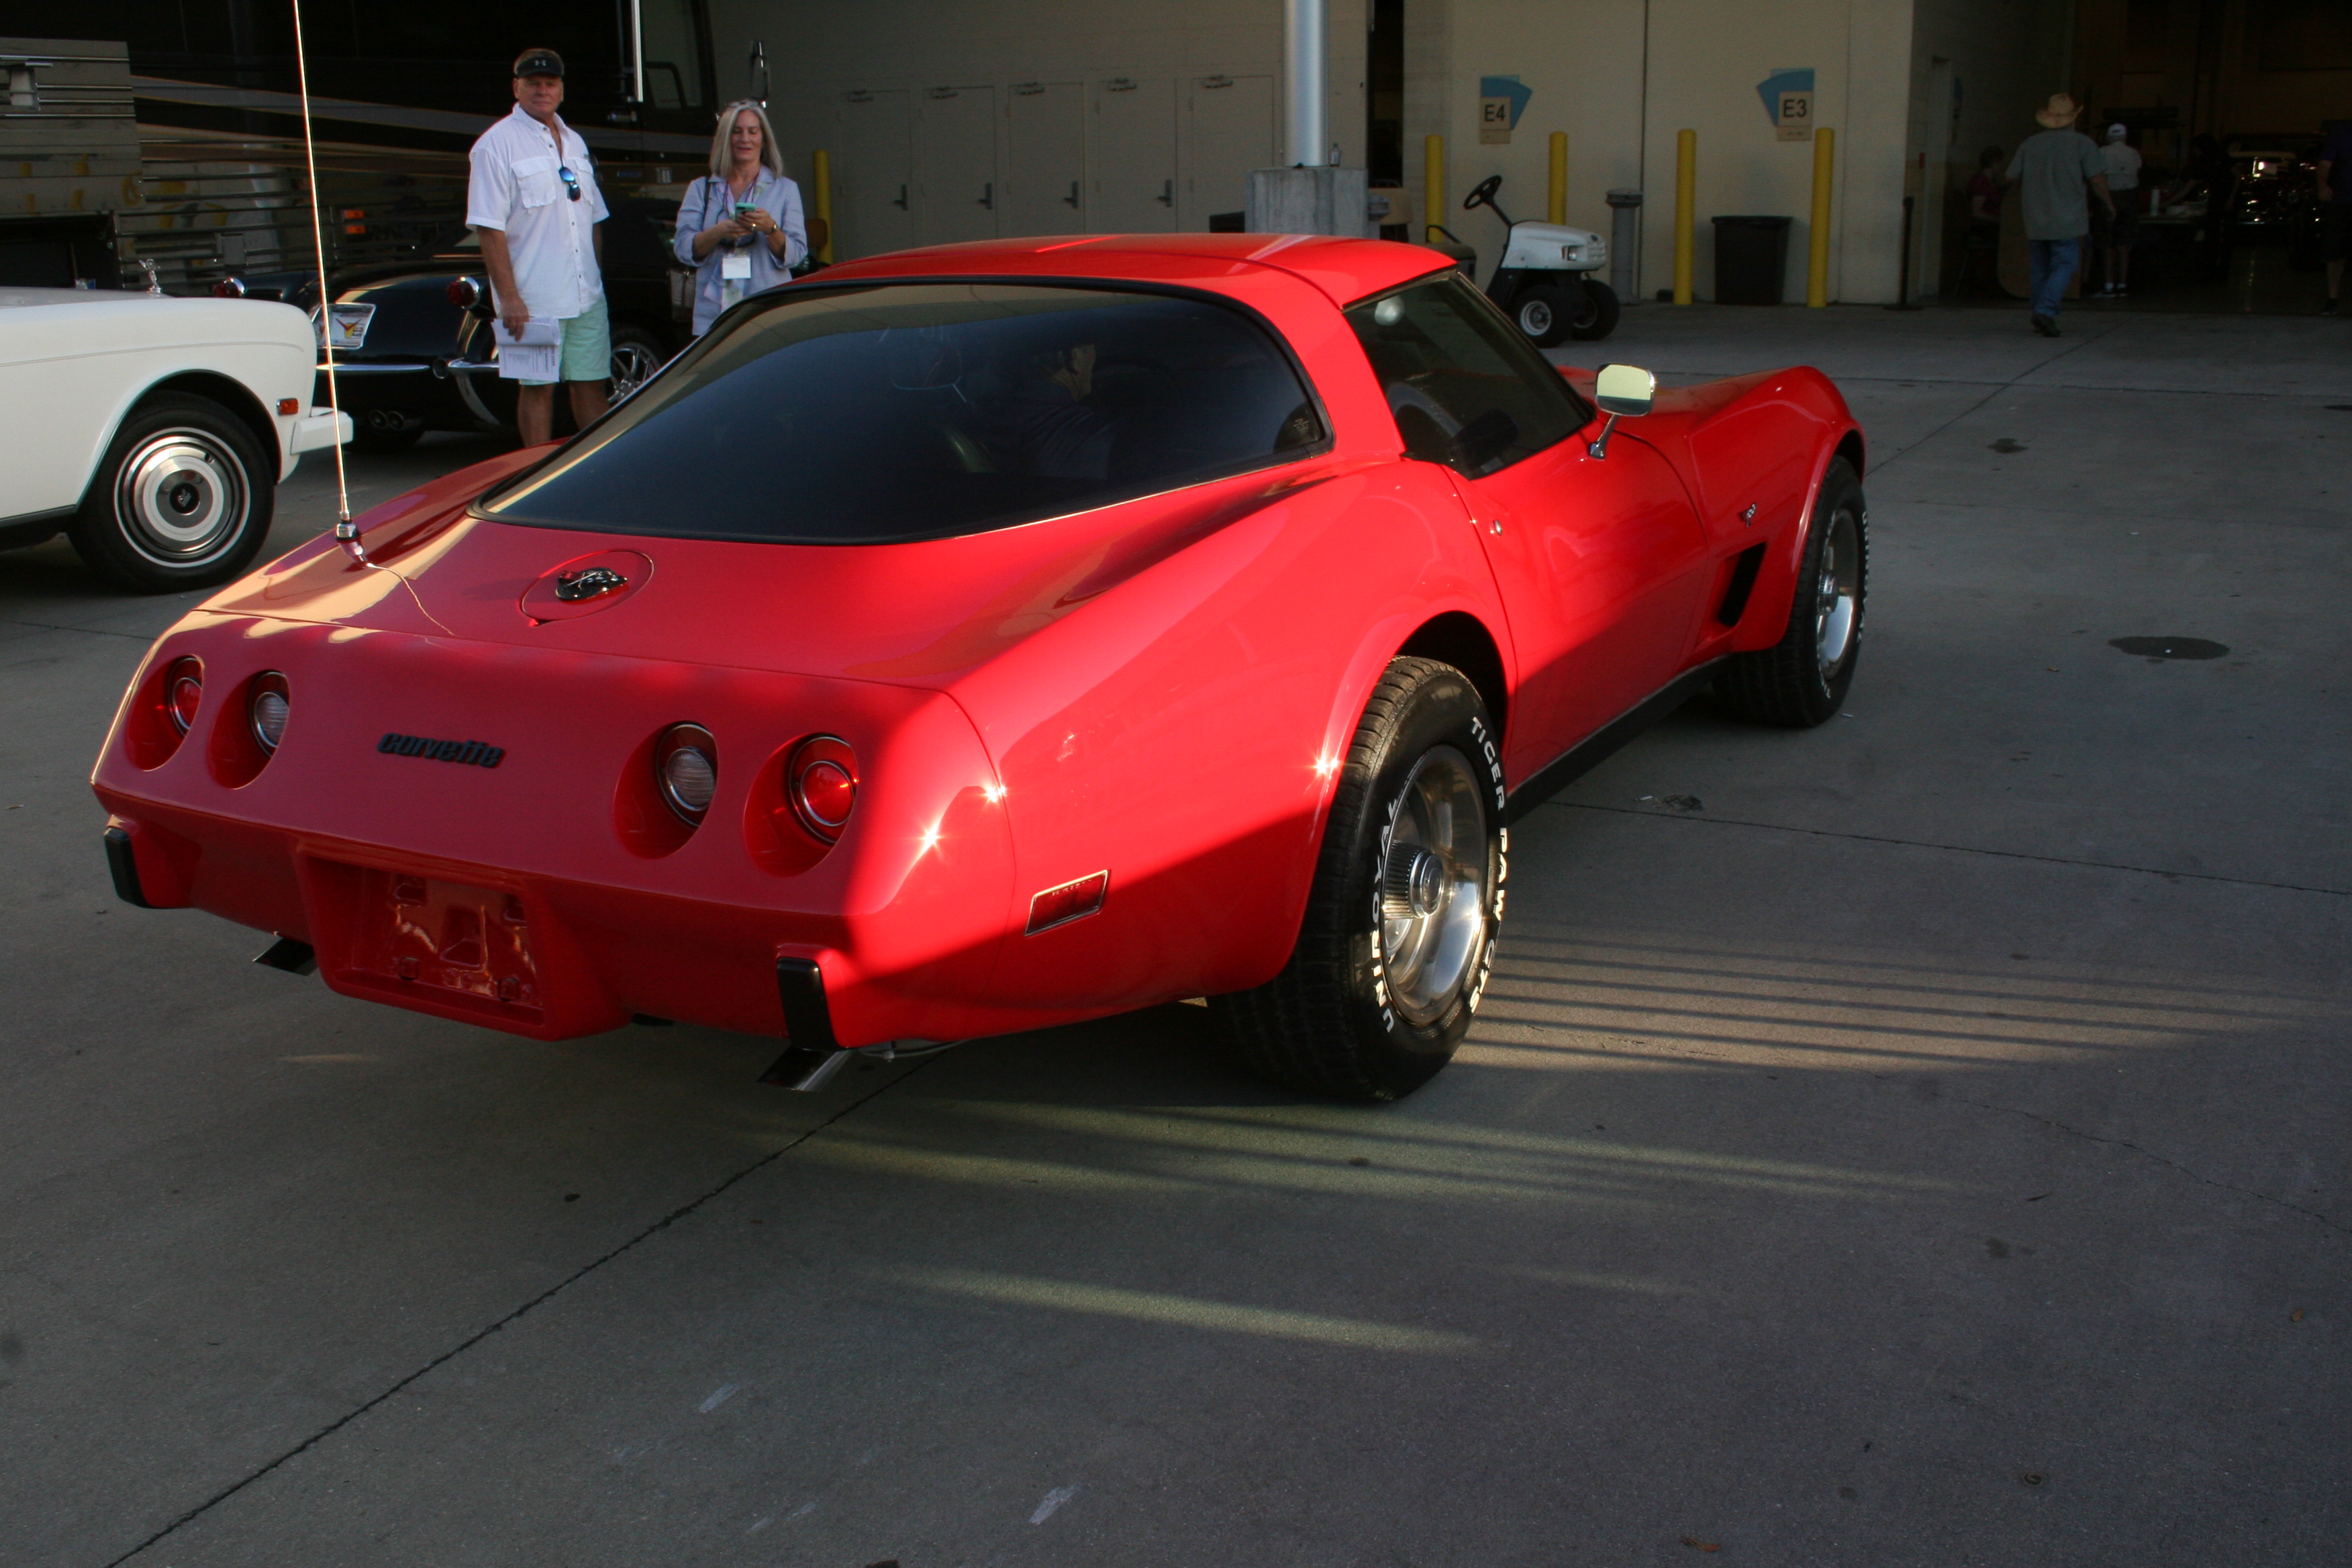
[(533, 202), (2122, 162)]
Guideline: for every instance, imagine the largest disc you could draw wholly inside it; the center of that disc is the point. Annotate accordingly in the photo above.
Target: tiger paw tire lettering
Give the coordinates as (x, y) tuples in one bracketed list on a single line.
[(1398, 943)]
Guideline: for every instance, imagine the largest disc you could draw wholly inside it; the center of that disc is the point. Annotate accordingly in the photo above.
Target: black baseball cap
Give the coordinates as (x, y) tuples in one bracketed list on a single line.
[(540, 62)]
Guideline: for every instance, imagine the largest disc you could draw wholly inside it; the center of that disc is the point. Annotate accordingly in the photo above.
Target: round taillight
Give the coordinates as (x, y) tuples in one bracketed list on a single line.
[(686, 768), (821, 781), (269, 710), (464, 293), (184, 693)]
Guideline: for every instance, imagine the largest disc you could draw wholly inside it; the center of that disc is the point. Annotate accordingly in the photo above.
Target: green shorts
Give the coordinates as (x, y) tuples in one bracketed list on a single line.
[(587, 347)]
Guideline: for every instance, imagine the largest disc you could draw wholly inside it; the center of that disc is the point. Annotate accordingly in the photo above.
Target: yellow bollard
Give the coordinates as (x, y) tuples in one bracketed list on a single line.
[(821, 182), (1432, 186), (1559, 208), (1686, 202), (1817, 260)]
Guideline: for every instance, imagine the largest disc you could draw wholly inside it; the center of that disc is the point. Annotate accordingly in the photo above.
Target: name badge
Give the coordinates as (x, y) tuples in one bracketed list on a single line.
[(735, 264)]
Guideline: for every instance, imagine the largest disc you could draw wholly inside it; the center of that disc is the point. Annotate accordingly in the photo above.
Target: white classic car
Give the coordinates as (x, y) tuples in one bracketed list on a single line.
[(152, 431)]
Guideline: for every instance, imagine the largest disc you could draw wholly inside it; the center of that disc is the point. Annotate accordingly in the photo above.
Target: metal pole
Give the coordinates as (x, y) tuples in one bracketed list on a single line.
[(1302, 45), (1903, 269), (1558, 204), (1685, 204), (821, 182), (1626, 244), (1817, 261), (637, 51), (1433, 187)]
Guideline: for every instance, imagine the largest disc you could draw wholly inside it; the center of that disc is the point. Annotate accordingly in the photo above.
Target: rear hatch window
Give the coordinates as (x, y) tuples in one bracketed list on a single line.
[(905, 411)]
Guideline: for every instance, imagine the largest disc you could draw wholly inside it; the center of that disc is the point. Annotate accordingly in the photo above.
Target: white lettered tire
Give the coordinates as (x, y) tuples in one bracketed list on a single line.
[(1398, 943)]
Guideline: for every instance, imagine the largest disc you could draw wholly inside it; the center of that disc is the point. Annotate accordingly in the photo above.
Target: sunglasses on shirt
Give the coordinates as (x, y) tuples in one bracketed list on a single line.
[(570, 184)]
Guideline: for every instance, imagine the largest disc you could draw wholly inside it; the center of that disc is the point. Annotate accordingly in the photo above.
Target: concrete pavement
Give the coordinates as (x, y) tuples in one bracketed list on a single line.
[(1918, 1140)]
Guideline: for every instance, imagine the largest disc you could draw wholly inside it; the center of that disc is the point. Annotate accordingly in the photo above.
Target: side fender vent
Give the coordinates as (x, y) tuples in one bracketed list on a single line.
[(1743, 567)]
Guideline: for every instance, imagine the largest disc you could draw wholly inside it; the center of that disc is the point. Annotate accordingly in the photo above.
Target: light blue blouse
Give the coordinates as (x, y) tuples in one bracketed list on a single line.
[(710, 201)]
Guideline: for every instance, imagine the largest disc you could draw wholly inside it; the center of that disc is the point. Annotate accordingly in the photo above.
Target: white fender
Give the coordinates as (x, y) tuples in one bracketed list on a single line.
[(1555, 247)]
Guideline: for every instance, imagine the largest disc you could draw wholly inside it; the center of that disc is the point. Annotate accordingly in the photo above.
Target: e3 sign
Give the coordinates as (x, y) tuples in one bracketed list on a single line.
[(1795, 118), (1787, 98)]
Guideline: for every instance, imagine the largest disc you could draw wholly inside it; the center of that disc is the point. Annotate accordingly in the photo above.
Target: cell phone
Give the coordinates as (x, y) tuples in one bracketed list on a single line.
[(742, 208)]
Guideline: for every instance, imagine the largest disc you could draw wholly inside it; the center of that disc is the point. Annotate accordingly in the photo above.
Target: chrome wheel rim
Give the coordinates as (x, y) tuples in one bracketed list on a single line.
[(1534, 318), (181, 498), (631, 364), (1434, 886), (1837, 594)]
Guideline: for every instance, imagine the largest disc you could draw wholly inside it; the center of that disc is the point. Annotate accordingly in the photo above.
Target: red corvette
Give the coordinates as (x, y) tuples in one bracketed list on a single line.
[(984, 638)]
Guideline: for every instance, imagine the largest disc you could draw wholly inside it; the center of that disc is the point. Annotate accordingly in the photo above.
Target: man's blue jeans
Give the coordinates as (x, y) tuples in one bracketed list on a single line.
[(2054, 261)]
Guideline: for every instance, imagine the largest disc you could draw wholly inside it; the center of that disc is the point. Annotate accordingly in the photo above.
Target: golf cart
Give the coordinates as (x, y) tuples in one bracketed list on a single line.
[(1545, 280)]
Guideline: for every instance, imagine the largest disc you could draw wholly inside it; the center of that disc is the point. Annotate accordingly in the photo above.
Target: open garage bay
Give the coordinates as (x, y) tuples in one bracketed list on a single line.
[(1921, 1141)]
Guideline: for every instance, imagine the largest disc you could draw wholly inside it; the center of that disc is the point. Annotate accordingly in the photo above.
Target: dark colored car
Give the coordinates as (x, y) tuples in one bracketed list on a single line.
[(413, 345)]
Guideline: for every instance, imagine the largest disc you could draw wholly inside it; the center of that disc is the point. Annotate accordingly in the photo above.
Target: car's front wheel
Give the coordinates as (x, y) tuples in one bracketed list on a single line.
[(1544, 313), (1399, 938), (1802, 679), (182, 499), (636, 354)]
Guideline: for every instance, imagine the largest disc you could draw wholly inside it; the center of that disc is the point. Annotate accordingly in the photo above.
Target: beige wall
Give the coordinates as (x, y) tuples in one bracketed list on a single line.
[(1620, 76), (817, 52), (1585, 60)]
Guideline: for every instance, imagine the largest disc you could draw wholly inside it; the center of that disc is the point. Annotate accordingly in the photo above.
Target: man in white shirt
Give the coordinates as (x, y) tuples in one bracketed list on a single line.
[(533, 202), (2122, 162)]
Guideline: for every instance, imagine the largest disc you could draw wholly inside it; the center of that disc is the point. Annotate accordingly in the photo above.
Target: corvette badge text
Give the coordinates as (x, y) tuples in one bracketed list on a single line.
[(480, 753)]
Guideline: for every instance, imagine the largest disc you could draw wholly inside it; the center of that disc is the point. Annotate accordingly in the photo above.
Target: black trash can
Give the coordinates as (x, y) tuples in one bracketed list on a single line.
[(1751, 259)]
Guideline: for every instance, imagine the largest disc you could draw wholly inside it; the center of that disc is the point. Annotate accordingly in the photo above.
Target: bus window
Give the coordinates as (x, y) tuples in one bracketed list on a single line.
[(674, 72)]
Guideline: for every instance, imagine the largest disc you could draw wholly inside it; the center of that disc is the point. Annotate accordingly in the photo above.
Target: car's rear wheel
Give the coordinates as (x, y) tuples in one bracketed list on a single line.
[(181, 499), (1596, 314), (1802, 679), (1399, 938)]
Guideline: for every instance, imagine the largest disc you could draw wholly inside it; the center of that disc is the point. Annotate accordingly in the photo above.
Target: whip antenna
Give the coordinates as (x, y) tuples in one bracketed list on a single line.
[(345, 534)]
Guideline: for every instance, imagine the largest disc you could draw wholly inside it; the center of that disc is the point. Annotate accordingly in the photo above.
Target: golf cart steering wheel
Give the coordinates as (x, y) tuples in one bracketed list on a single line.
[(1482, 195)]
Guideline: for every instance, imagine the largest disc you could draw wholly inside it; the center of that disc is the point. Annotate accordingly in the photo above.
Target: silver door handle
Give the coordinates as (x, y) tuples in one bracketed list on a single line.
[(1073, 197), (988, 196), (901, 202), (1167, 196)]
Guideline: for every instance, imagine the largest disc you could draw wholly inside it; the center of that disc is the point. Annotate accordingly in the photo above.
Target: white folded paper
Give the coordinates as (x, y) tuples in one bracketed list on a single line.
[(537, 355)]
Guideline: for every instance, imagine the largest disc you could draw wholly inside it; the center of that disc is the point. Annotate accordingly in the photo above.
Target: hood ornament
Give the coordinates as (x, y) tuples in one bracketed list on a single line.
[(573, 586)]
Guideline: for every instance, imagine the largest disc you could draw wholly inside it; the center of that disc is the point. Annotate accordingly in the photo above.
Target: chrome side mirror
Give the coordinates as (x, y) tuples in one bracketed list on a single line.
[(1622, 392)]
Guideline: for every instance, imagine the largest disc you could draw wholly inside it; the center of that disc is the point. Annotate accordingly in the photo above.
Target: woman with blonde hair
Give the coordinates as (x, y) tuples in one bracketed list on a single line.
[(739, 227)]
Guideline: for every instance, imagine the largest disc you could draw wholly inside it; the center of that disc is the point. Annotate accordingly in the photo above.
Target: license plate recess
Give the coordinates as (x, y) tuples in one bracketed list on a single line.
[(446, 939)]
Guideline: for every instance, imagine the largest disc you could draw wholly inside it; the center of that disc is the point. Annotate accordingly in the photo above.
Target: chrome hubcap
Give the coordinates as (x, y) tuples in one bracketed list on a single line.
[(1434, 887), (1837, 596), (181, 498), (631, 365)]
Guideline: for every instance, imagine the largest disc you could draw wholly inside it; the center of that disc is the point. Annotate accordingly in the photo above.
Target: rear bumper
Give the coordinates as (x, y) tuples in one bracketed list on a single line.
[(441, 393), (551, 896), (548, 958)]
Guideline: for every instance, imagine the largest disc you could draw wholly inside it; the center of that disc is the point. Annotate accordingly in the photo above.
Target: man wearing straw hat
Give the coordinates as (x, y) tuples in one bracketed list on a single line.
[(2052, 171)]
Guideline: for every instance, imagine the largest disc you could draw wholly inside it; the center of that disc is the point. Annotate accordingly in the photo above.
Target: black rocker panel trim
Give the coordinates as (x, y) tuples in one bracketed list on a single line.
[(1597, 748)]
